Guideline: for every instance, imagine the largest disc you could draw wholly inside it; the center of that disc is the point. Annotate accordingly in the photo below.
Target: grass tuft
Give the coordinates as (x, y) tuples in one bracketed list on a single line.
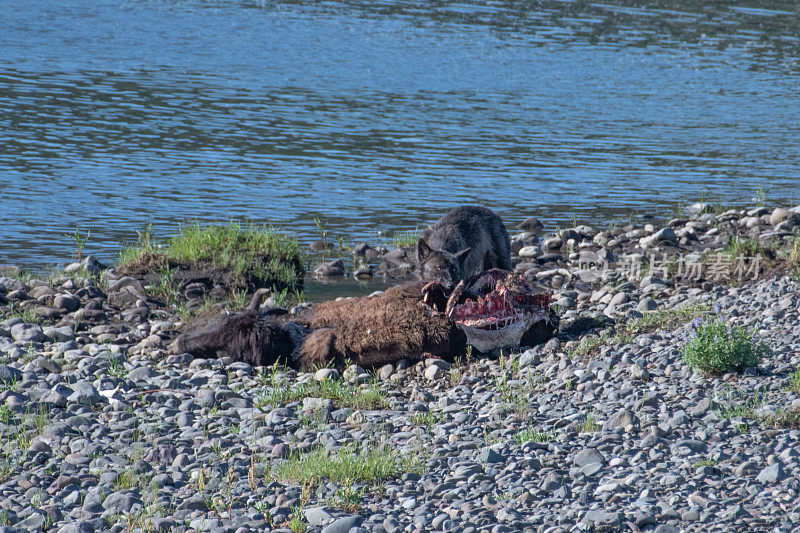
[(660, 319), (793, 258), (735, 405), (343, 395), (402, 239), (789, 419), (749, 408), (533, 435), (665, 319), (704, 462), (794, 380), (27, 315), (349, 464), (588, 425), (251, 254), (794, 252), (742, 247), (297, 522), (424, 419), (125, 480), (716, 348), (347, 497)]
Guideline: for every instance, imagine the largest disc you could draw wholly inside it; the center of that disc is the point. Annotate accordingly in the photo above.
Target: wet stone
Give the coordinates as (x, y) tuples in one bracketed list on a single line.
[(27, 333), (487, 455), (770, 474), (343, 525), (602, 518), (9, 374), (588, 456)]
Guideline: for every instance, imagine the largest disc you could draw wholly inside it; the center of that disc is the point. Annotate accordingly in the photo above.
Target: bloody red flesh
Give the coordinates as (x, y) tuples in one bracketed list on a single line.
[(511, 300)]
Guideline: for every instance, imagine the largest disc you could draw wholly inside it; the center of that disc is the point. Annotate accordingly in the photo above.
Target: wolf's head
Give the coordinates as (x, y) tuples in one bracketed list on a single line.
[(439, 265)]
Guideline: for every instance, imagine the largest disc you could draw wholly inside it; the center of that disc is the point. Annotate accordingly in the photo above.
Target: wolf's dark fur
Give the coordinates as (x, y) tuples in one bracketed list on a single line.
[(383, 329), (247, 336), (253, 336), (465, 241)]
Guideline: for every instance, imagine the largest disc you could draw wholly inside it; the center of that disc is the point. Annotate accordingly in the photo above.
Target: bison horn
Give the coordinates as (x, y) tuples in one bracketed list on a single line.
[(453, 300)]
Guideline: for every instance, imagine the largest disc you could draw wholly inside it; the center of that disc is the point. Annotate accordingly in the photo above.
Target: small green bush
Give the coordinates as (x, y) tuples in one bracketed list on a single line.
[(349, 464), (533, 435), (716, 348)]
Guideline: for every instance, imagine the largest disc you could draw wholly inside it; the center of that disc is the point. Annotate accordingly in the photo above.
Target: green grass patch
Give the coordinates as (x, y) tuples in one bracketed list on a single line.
[(533, 435), (588, 425), (789, 419), (297, 521), (343, 395), (369, 465), (592, 344), (117, 369), (17, 430), (716, 348), (660, 319), (186, 313), (742, 247), (125, 480), (794, 381), (793, 251), (735, 405), (402, 239), (285, 298), (15, 272), (12, 384), (513, 395), (704, 462), (27, 315), (244, 255), (665, 319), (584, 324), (6, 414), (792, 255), (347, 497), (427, 419)]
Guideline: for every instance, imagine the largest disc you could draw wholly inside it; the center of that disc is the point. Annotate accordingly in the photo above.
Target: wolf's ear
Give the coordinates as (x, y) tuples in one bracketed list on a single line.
[(462, 255), (423, 250)]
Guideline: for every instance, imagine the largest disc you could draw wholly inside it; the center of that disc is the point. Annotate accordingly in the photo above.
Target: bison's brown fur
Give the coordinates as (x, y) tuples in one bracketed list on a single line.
[(382, 329)]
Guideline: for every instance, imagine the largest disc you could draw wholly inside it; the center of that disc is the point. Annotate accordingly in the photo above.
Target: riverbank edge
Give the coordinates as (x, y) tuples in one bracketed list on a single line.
[(587, 429)]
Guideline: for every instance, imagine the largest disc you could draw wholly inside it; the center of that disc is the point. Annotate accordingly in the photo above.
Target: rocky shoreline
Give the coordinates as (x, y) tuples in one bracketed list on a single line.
[(602, 428)]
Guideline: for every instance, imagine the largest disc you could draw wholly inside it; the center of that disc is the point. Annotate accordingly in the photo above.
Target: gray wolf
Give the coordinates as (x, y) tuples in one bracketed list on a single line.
[(466, 241)]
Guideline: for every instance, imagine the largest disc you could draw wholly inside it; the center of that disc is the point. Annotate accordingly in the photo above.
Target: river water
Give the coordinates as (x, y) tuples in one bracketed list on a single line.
[(379, 116)]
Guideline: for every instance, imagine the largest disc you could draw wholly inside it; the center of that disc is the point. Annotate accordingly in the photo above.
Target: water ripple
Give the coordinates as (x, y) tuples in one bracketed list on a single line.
[(380, 115)]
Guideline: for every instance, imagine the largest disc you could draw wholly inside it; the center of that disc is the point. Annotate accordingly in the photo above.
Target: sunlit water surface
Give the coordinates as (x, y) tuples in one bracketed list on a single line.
[(379, 116)]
